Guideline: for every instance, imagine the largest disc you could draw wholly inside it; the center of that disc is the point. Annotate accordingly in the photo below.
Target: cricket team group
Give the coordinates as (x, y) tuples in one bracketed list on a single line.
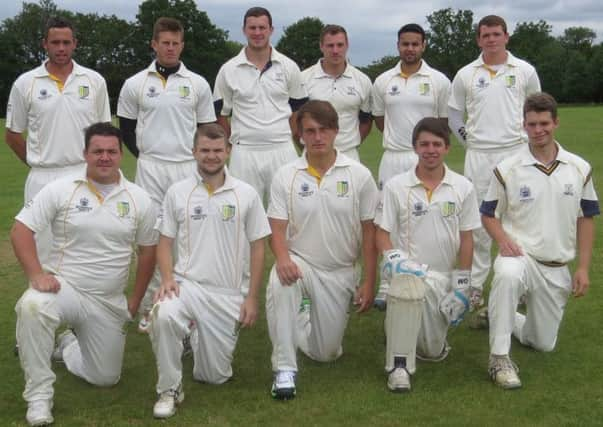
[(198, 227)]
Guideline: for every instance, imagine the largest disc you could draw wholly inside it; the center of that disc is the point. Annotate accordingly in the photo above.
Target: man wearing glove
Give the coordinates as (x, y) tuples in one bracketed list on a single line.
[(433, 211)]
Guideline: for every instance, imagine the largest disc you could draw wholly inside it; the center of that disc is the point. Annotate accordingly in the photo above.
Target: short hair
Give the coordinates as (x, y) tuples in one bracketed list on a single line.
[(164, 24), (332, 29), (412, 28), (256, 12), (433, 125), (209, 130), (102, 129), (320, 111), (58, 22), (540, 102), (491, 21)]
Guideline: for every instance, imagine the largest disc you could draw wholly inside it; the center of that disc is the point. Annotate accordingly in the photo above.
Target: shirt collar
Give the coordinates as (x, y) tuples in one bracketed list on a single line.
[(182, 71), (229, 182), (77, 70), (528, 158), (511, 61), (241, 58), (321, 74), (82, 177), (341, 160), (415, 181)]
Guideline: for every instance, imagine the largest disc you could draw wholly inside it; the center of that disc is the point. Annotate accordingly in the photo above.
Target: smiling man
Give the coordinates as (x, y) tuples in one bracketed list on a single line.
[(96, 217), (348, 89), (159, 110)]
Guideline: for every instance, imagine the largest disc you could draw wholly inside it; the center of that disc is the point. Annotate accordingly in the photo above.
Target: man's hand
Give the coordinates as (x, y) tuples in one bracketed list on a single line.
[(509, 248), (580, 282), (364, 298), (288, 272), (249, 312), (167, 289), (45, 282)]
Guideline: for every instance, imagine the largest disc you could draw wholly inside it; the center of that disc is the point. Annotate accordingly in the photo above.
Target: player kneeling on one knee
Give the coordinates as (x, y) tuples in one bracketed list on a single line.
[(427, 215), (538, 202)]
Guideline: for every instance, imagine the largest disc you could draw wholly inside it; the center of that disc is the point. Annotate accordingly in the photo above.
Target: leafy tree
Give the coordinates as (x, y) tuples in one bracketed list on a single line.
[(379, 66), (300, 41), (596, 72), (578, 38), (529, 39)]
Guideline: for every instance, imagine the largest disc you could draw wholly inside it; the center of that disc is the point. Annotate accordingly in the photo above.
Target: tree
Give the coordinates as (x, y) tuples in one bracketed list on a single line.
[(529, 39), (300, 41), (450, 40), (379, 66), (578, 38), (596, 72)]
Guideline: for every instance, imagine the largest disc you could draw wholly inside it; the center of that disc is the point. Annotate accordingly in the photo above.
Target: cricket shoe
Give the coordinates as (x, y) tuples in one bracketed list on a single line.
[(39, 412), (504, 372), (479, 319), (398, 380), (65, 338), (166, 404), (144, 324), (283, 387)]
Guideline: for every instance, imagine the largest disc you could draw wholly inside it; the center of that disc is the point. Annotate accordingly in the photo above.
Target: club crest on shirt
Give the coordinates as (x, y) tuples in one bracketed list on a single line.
[(525, 194), (351, 91), (342, 188), (152, 93), (84, 205), (510, 81), (123, 209), (198, 213), (184, 91), (568, 189), (44, 94), (448, 209), (424, 89), (394, 91), (228, 212), (419, 209), (83, 92), (305, 190), (482, 83)]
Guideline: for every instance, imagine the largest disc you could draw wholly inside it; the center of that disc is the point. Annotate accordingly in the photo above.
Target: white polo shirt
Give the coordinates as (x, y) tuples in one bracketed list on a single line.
[(56, 120), (404, 101), (324, 218), (539, 205), (428, 226), (493, 101), (349, 93), (258, 99), (92, 238), (212, 231), (167, 111)]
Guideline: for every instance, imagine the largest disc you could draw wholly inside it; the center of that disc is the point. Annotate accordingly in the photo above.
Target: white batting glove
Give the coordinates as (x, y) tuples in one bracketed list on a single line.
[(390, 259), (454, 305)]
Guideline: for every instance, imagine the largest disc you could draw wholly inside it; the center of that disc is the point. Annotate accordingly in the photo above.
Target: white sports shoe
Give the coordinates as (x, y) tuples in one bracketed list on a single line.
[(65, 338), (283, 387), (39, 412), (504, 372), (144, 324), (398, 380), (165, 406)]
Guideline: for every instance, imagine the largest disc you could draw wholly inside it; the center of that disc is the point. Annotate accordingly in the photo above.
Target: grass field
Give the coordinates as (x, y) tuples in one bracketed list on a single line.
[(564, 387)]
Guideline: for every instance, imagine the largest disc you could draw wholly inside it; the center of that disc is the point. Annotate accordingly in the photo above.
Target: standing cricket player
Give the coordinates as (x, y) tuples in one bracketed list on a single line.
[(54, 103), (159, 110), (213, 219), (433, 211), (259, 89), (490, 91), (401, 97), (321, 213), (96, 217), (540, 202), (348, 89)]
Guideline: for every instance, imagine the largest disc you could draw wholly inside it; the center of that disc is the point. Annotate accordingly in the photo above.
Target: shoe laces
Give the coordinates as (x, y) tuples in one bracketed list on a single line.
[(503, 364), (169, 395), (285, 377)]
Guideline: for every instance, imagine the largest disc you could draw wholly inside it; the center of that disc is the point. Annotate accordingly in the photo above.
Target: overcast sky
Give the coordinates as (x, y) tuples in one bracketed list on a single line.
[(371, 25)]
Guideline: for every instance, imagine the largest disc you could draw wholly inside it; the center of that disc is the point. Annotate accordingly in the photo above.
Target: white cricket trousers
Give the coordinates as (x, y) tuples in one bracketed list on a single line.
[(155, 177), (479, 169), (37, 178), (96, 355), (394, 163), (215, 312), (547, 290), (330, 292)]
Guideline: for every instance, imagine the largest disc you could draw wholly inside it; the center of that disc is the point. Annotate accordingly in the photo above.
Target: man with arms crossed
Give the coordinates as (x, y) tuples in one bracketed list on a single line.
[(159, 110), (213, 219), (260, 89), (540, 201), (54, 103), (433, 211), (401, 97), (96, 217), (348, 89), (490, 91), (321, 213)]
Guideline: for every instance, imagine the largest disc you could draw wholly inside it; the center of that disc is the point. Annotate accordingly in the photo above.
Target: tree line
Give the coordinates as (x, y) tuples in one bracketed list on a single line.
[(570, 66)]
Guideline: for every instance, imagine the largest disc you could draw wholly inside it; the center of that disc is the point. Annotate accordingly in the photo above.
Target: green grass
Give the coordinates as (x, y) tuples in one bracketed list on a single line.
[(564, 387)]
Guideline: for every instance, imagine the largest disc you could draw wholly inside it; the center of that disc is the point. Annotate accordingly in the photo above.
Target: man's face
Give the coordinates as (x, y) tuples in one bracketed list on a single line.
[(492, 40), (431, 150), (334, 48), (168, 48), (59, 45), (103, 158), (257, 29), (540, 127), (411, 47), (211, 155), (318, 139)]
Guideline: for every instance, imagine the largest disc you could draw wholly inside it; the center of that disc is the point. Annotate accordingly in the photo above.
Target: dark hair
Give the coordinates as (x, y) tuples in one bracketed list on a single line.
[(331, 30), (256, 12), (102, 129), (320, 111), (412, 28), (211, 131), (540, 102), (167, 24), (58, 22), (432, 125), (491, 21)]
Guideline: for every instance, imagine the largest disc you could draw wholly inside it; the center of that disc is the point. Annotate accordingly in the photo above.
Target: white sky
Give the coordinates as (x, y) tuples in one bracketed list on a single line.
[(371, 25)]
